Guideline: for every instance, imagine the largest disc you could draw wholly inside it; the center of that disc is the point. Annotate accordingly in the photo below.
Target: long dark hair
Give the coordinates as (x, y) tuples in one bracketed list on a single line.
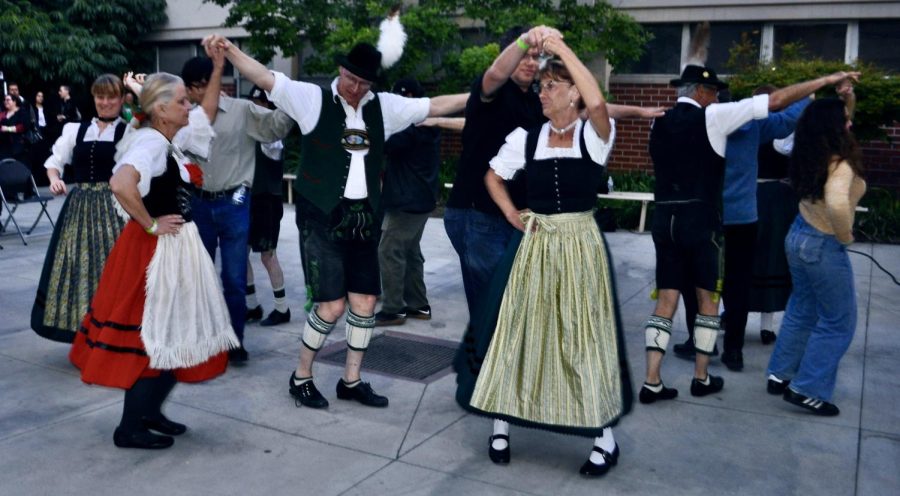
[(821, 137)]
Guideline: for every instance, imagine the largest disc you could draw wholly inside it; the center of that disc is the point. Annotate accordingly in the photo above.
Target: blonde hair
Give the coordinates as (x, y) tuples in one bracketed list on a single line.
[(159, 89), (108, 85)]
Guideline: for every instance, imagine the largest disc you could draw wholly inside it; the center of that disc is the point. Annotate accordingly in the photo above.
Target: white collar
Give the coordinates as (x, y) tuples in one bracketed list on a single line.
[(334, 94), (687, 99)]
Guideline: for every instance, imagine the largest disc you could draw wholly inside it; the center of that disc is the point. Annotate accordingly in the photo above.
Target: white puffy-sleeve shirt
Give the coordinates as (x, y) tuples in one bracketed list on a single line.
[(61, 153), (511, 157)]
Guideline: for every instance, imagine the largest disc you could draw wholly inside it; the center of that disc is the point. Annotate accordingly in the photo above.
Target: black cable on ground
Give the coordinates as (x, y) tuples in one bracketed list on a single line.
[(870, 257)]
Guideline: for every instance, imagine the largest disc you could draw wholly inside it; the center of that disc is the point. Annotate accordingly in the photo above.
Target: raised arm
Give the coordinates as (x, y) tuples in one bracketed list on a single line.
[(210, 102), (587, 85), (790, 94), (505, 63), (845, 92), (247, 65)]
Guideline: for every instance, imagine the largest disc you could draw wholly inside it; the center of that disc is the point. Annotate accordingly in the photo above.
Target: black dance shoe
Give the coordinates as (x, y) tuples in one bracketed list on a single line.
[(254, 314), (500, 457), (362, 393), (647, 396), (165, 426), (238, 356), (276, 318), (591, 469), (818, 407), (423, 313), (767, 336), (734, 360), (774, 386), (141, 440), (306, 393), (389, 319), (699, 389)]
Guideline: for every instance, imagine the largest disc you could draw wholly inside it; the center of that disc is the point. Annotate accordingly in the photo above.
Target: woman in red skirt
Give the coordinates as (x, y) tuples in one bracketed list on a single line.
[(158, 316)]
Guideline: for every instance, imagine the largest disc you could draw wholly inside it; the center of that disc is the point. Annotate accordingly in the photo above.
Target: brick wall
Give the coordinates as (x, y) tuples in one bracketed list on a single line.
[(882, 160)]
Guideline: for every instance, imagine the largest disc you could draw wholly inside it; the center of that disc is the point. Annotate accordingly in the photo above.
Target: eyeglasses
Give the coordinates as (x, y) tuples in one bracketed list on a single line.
[(549, 85), (355, 81)]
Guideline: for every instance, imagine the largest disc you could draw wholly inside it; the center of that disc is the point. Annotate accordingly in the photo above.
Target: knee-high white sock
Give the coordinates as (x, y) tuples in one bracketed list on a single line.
[(500, 427), (766, 320), (605, 442), (280, 299), (252, 302)]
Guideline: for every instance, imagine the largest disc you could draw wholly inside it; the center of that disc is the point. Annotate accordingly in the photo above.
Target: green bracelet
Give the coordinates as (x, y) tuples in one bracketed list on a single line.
[(521, 44), (153, 228)]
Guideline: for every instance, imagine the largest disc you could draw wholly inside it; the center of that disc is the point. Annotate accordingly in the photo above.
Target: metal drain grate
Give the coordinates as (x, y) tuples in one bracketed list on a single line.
[(400, 355)]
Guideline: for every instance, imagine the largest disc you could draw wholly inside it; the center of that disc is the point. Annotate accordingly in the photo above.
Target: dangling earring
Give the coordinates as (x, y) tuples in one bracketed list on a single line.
[(571, 103)]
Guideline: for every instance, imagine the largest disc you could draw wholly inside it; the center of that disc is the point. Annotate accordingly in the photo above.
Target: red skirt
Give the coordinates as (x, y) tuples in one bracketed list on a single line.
[(108, 348)]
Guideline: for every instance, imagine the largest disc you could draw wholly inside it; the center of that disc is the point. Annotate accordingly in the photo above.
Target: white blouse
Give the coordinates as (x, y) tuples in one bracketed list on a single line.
[(65, 145), (511, 157)]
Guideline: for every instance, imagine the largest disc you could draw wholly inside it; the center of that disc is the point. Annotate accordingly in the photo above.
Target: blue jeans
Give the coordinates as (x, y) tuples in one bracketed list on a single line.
[(480, 240), (820, 318), (225, 226)]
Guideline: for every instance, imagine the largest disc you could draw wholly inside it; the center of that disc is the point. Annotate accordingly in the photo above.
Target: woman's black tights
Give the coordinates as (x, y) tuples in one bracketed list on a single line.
[(144, 400)]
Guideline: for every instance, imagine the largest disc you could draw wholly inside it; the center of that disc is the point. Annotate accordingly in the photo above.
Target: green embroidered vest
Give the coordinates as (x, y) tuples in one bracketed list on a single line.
[(325, 162)]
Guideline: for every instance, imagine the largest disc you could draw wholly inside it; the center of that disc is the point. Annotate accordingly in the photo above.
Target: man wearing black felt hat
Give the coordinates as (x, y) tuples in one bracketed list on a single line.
[(344, 129), (688, 146)]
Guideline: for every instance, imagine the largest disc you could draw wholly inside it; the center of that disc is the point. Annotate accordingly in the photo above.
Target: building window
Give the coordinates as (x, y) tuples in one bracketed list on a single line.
[(726, 35), (825, 41), (662, 55), (879, 43), (171, 57)]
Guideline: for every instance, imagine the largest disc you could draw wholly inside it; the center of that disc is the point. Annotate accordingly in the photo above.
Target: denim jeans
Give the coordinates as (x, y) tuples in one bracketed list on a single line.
[(480, 240), (820, 318), (225, 226)]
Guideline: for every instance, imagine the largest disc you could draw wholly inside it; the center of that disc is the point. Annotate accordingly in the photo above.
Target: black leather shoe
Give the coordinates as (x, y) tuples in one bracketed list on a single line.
[(423, 313), (141, 440), (774, 386), (500, 457), (276, 318), (767, 336), (238, 356), (362, 393), (647, 396), (165, 426), (734, 360), (686, 350), (387, 319), (306, 394), (818, 407), (254, 314), (699, 389), (591, 469)]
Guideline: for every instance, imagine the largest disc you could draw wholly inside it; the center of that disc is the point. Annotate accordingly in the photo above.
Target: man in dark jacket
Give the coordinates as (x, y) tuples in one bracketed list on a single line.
[(409, 193)]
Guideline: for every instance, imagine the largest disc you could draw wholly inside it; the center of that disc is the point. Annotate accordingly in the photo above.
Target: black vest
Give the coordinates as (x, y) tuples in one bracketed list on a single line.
[(684, 163), (93, 161), (561, 185), (268, 175), (772, 165), (169, 194), (325, 164)]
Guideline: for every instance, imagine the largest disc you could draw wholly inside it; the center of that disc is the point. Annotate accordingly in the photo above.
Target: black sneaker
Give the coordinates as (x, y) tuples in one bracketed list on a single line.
[(734, 360), (238, 356), (254, 314), (686, 350), (699, 389), (276, 318), (818, 407), (647, 396), (767, 336), (386, 319), (306, 393), (775, 385), (423, 313), (141, 440), (362, 392)]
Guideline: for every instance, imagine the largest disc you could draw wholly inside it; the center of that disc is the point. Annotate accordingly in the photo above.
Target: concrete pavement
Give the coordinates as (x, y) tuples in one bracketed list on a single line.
[(247, 437)]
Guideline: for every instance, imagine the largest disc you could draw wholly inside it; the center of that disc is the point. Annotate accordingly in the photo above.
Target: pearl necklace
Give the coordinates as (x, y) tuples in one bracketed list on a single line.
[(565, 129)]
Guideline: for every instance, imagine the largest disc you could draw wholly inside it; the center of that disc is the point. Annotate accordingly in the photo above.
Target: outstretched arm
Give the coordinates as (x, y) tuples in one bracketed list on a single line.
[(247, 65), (447, 104), (790, 94), (633, 112), (451, 123)]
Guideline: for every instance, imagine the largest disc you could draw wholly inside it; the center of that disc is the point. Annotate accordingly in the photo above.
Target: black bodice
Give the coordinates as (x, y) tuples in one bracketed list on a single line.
[(561, 185), (772, 165), (93, 161), (169, 194)]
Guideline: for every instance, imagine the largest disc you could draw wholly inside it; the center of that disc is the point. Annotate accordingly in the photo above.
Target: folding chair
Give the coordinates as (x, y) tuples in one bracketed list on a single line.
[(17, 187)]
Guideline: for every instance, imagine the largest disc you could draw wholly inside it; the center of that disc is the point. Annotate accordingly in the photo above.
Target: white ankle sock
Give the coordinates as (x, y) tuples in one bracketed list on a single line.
[(705, 382), (300, 380), (252, 302), (654, 387), (606, 442), (280, 299), (766, 319), (500, 427)]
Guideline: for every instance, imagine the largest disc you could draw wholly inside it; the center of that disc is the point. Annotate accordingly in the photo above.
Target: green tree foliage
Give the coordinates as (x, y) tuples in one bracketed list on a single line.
[(877, 93), (436, 51), (73, 41)]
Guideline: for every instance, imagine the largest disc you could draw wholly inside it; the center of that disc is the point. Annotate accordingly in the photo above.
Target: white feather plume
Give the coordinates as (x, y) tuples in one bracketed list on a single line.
[(391, 40), (699, 47)]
